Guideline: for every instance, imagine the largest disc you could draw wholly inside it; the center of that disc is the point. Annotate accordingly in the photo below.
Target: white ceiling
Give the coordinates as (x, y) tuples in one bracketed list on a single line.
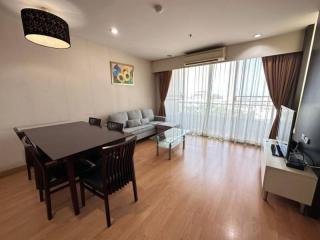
[(153, 36)]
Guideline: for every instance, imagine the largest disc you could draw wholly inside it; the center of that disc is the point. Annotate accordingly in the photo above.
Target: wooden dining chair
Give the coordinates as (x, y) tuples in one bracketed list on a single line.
[(51, 176), (28, 158), (116, 170), (115, 126), (95, 121)]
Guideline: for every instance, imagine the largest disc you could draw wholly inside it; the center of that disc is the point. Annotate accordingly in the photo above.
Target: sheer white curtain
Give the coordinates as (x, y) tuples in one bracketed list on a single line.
[(228, 101)]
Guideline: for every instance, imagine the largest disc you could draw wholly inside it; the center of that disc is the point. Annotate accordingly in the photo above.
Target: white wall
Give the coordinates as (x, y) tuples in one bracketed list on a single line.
[(286, 43), (40, 85)]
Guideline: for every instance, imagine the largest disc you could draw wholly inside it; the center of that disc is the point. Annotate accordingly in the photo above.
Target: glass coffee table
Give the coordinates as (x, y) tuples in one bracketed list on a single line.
[(170, 139)]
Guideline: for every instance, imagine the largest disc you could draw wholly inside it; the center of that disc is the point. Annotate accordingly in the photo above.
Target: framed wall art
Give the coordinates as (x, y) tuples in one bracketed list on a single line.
[(121, 73)]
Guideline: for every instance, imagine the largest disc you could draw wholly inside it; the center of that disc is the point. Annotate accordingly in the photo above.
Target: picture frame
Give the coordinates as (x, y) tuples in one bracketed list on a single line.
[(122, 73)]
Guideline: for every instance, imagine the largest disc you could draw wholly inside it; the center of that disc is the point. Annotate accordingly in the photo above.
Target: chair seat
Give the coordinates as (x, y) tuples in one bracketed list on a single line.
[(57, 174), (92, 156), (94, 180), (83, 166)]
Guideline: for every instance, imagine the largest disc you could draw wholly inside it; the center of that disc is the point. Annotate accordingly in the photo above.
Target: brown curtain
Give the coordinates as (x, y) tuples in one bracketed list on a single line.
[(164, 82), (282, 72)]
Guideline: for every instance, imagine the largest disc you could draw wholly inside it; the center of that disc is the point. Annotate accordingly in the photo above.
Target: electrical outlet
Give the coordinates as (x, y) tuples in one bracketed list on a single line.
[(305, 139)]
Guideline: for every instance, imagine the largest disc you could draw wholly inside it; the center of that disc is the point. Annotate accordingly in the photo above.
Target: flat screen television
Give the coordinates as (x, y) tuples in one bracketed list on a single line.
[(308, 119), (285, 131)]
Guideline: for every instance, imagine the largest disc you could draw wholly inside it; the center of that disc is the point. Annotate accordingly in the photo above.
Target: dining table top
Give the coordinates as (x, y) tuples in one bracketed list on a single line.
[(65, 140)]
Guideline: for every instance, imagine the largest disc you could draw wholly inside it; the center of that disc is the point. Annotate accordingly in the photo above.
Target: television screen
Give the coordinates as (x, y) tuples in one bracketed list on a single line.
[(285, 129)]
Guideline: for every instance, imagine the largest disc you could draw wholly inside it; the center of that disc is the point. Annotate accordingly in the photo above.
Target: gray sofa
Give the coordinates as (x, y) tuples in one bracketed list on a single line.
[(141, 123)]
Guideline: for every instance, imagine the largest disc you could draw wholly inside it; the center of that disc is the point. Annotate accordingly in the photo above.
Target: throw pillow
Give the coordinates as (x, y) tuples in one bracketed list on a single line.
[(145, 121), (134, 123)]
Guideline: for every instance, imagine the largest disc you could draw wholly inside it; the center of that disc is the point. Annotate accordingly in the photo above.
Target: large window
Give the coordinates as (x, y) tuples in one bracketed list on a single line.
[(228, 101)]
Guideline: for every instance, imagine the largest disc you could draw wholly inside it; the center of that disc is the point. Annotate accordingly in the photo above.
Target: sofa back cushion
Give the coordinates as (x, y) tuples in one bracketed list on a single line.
[(120, 117), (133, 123), (148, 113), (135, 114)]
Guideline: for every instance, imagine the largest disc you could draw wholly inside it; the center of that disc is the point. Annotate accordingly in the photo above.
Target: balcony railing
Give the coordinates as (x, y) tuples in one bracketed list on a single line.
[(219, 117)]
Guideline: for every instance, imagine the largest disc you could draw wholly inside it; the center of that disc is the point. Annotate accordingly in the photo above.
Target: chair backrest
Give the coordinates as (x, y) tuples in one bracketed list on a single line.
[(26, 142), (41, 163), (118, 165), (33, 155), (19, 133), (38, 159), (115, 126), (95, 121)]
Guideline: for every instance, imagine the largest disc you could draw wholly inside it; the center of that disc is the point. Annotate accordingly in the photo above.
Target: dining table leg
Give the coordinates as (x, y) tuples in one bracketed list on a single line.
[(72, 185)]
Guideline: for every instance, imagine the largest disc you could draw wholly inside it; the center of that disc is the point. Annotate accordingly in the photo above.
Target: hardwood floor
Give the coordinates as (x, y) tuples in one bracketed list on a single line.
[(209, 191)]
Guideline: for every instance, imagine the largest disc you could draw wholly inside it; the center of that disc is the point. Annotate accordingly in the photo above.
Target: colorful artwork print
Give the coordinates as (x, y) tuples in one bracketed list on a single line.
[(121, 74)]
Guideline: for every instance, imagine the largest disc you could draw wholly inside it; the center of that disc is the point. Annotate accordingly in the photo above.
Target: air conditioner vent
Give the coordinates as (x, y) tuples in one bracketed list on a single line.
[(205, 57)]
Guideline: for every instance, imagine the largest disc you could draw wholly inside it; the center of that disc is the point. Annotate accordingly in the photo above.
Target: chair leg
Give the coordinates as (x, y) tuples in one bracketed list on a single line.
[(135, 192), (29, 161), (29, 172), (39, 183), (106, 205), (48, 203), (83, 196), (41, 195)]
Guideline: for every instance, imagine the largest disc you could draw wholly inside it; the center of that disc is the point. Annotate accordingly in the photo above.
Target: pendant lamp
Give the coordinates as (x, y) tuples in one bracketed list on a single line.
[(45, 28)]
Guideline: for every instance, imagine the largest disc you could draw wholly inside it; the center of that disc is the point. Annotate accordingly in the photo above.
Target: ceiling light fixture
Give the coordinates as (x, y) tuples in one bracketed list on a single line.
[(158, 8), (114, 31), (257, 35), (44, 28)]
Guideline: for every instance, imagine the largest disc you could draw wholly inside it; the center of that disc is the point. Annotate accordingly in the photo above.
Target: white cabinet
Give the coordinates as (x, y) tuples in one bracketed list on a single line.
[(287, 182)]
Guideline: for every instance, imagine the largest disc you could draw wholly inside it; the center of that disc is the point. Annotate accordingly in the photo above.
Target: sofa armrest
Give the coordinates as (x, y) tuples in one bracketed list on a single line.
[(115, 126), (159, 118)]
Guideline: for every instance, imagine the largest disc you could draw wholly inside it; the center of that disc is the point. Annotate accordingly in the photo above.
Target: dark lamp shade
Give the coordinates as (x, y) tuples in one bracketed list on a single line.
[(45, 28)]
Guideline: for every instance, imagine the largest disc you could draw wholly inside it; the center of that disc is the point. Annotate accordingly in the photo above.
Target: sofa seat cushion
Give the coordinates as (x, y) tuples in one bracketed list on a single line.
[(148, 113), (165, 124), (139, 129), (120, 117), (135, 114), (156, 122)]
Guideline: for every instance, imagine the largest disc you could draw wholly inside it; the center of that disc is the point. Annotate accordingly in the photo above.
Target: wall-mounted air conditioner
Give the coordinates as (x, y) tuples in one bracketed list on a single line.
[(205, 57)]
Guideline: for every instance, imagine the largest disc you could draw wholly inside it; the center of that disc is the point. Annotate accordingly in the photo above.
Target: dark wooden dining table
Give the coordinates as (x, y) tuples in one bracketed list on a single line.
[(68, 141)]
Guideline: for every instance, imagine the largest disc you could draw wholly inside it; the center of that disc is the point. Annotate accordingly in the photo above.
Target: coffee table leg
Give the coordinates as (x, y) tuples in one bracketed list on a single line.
[(170, 151), (184, 142), (157, 148), (73, 187)]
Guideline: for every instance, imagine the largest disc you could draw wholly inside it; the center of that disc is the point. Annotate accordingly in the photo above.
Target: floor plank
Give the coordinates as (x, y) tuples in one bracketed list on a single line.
[(211, 190)]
